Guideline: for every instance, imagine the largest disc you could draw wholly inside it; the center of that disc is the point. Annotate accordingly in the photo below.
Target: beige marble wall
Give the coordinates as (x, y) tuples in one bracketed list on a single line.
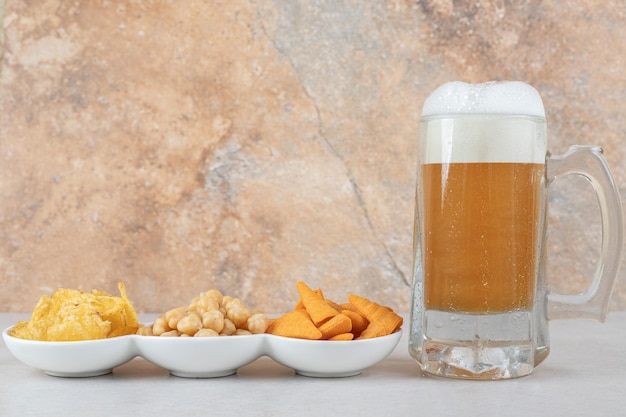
[(246, 144)]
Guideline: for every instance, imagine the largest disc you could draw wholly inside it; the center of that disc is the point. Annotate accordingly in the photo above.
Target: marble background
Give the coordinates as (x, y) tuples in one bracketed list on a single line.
[(246, 144)]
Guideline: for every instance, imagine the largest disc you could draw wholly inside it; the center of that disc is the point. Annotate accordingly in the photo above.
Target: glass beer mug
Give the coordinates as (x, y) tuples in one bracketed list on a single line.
[(480, 303)]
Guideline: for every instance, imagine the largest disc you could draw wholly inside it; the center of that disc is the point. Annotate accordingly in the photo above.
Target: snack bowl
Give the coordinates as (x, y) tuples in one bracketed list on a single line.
[(201, 357), (72, 359), (324, 359)]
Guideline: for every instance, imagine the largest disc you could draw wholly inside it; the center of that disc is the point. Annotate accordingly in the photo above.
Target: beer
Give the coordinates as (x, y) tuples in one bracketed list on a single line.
[(481, 225), (480, 301)]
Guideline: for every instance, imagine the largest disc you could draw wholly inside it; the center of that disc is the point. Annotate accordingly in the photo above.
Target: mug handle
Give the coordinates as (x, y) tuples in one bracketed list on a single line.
[(589, 163)]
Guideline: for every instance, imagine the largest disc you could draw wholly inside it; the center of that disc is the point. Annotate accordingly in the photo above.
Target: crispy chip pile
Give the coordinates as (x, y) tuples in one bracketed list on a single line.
[(70, 315), (317, 318)]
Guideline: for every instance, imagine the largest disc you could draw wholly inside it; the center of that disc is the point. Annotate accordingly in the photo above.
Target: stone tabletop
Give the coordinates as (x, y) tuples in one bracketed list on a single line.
[(584, 375)]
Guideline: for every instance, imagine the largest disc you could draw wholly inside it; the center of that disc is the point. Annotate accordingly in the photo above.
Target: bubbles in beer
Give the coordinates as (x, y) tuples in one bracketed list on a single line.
[(494, 97)]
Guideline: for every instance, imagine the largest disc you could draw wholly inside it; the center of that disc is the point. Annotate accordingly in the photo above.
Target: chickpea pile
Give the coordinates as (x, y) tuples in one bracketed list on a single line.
[(209, 314)]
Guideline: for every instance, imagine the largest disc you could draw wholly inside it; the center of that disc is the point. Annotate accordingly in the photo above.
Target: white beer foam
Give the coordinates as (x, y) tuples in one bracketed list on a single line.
[(494, 97), (462, 123)]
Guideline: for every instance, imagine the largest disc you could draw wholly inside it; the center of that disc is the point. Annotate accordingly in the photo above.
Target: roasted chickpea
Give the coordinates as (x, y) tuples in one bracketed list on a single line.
[(229, 328), (172, 316), (237, 312), (144, 330), (209, 314), (203, 304), (214, 320), (257, 323), (206, 333), (171, 333), (160, 326), (189, 324)]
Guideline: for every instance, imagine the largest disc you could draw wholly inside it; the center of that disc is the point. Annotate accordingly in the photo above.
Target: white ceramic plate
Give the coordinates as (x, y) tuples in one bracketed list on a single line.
[(202, 357)]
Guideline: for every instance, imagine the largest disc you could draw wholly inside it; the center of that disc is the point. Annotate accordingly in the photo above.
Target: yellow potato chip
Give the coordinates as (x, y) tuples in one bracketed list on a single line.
[(119, 311), (78, 322), (69, 315)]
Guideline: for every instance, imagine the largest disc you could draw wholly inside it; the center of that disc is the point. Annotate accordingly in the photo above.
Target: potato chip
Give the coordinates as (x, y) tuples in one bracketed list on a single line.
[(70, 315)]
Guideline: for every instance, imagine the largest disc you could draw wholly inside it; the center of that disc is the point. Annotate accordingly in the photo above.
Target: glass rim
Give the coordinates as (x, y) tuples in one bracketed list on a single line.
[(535, 118)]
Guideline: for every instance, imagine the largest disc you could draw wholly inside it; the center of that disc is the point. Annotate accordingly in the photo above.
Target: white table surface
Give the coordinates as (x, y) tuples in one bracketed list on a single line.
[(585, 375)]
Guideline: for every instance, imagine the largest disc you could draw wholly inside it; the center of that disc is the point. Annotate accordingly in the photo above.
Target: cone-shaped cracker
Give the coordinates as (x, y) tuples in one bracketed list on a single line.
[(333, 305), (392, 321), (336, 325), (349, 306), (315, 304), (300, 304), (343, 336), (359, 323), (369, 309), (375, 329), (296, 323), (387, 324), (383, 320)]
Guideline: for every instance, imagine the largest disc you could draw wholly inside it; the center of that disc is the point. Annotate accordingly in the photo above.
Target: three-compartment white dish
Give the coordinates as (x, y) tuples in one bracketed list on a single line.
[(202, 357)]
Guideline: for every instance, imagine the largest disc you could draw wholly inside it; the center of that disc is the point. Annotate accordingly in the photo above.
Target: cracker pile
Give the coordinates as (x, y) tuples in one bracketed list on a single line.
[(317, 318)]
